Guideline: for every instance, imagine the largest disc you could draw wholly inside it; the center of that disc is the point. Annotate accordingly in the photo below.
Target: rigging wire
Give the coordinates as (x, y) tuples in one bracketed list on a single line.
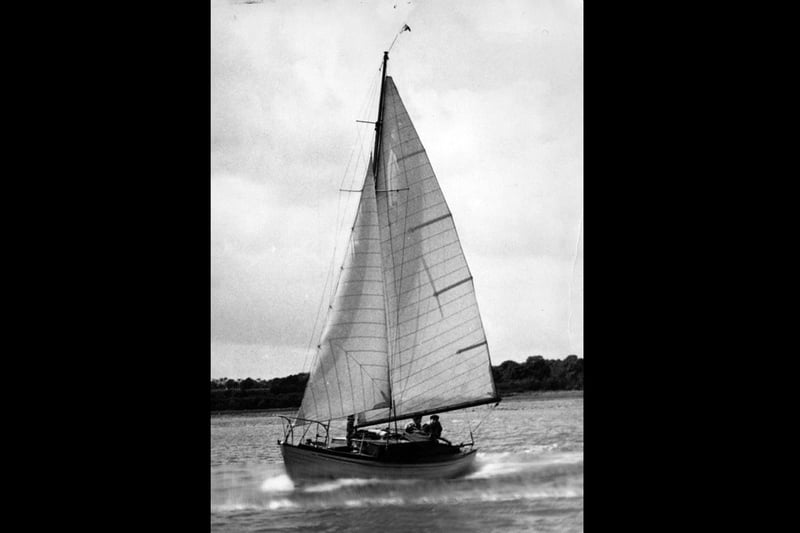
[(485, 416), (358, 143), (331, 268)]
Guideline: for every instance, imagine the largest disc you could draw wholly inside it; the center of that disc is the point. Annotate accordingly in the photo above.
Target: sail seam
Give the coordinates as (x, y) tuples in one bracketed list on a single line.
[(400, 144), (438, 322), (426, 298), (426, 196), (427, 207), (454, 285), (439, 263), (437, 348), (450, 255), (412, 154), (428, 223), (424, 177), (448, 382), (441, 305), (436, 250), (432, 324), (433, 236), (443, 276), (468, 348), (440, 346), (432, 250), (445, 383)]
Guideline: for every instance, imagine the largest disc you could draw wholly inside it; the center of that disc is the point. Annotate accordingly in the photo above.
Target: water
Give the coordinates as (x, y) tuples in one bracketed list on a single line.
[(529, 477)]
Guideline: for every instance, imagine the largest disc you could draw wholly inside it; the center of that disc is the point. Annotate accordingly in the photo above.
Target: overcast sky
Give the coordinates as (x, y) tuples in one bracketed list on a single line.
[(495, 91)]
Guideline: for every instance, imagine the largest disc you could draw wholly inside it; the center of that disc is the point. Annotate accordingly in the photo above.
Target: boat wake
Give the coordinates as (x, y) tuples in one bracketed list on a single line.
[(498, 477), (505, 465), (280, 483)]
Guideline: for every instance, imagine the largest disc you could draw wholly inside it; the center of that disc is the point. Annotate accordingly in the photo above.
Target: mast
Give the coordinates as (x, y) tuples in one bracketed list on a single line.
[(375, 166), (379, 123)]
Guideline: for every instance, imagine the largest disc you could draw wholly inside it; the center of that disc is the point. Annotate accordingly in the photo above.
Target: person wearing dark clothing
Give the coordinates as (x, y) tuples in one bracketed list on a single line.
[(350, 429), (434, 427)]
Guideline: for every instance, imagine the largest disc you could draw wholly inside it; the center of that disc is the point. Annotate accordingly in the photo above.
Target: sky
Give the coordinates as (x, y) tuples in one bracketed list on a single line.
[(495, 91)]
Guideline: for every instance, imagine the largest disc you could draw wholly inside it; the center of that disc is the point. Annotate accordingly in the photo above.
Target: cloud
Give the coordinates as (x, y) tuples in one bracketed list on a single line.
[(238, 361), (266, 269), (495, 92)]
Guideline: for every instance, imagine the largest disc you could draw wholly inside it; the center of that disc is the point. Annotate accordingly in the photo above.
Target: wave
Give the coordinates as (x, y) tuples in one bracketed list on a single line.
[(401, 498)]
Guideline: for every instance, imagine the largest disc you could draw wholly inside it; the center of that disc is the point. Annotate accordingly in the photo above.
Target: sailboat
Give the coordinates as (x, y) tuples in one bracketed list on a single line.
[(403, 336)]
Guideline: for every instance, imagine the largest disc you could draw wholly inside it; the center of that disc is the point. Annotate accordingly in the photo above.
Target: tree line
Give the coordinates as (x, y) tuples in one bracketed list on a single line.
[(535, 374)]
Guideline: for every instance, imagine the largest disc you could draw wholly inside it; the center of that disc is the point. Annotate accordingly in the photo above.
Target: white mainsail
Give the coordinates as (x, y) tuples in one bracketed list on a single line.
[(438, 355), (350, 373), (404, 326)]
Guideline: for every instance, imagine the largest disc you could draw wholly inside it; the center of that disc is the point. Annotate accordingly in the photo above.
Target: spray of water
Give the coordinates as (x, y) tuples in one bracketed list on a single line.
[(499, 477)]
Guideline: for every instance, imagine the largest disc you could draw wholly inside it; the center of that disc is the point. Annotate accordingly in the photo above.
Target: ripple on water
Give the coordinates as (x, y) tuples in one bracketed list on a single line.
[(529, 476)]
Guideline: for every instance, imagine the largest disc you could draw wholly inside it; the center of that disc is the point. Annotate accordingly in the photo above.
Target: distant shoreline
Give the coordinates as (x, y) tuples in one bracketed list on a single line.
[(510, 396), (255, 411), (543, 394), (536, 378)]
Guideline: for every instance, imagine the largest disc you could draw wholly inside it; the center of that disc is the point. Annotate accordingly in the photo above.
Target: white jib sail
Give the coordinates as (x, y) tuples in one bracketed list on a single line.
[(350, 371)]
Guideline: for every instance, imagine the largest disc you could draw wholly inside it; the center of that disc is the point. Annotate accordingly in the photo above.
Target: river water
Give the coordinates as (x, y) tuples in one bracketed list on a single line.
[(529, 477)]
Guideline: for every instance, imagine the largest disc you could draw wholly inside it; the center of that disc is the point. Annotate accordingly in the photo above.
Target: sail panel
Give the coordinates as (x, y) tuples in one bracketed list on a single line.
[(350, 370), (438, 356)]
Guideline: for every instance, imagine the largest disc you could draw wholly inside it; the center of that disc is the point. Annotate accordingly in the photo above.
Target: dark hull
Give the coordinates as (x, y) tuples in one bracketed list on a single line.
[(310, 462)]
